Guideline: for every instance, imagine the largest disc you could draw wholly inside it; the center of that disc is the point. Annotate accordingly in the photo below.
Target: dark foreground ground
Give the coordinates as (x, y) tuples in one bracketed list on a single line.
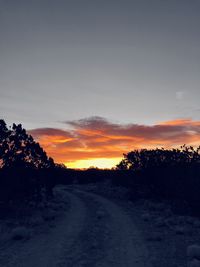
[(95, 225)]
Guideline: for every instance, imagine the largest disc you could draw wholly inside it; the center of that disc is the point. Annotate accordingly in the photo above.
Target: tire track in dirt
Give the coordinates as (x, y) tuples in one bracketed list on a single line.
[(123, 245)]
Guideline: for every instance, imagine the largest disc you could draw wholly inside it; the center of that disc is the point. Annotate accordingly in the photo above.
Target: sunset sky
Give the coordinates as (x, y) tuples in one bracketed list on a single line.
[(91, 80)]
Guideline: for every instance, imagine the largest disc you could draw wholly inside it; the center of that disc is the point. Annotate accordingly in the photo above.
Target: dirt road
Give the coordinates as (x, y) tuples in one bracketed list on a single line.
[(95, 232)]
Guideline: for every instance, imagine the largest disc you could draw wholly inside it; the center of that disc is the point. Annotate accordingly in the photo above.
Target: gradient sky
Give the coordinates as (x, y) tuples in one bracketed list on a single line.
[(118, 63)]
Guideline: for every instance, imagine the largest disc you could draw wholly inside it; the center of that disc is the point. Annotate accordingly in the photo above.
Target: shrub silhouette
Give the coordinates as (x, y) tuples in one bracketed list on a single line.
[(143, 159)]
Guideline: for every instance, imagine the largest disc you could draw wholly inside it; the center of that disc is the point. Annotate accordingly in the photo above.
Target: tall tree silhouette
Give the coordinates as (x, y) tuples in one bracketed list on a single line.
[(18, 149), (4, 147), (26, 170)]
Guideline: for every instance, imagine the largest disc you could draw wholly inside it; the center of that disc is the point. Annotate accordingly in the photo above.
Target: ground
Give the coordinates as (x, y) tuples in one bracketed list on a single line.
[(96, 225)]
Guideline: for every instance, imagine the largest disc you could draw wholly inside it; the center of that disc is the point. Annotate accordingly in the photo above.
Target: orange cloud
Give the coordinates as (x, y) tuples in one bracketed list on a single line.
[(96, 140), (185, 122)]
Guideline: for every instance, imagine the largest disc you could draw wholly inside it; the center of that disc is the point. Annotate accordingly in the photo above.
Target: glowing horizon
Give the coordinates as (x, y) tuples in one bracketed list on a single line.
[(97, 142), (101, 163)]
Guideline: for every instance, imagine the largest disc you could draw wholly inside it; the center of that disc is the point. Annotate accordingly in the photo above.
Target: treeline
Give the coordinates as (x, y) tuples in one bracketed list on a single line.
[(152, 158), (26, 172), (158, 174)]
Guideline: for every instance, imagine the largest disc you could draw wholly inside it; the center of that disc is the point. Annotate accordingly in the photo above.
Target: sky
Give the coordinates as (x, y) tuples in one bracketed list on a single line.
[(91, 80)]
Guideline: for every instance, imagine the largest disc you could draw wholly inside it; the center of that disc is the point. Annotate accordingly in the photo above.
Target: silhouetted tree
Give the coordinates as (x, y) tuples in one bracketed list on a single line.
[(19, 149), (26, 169)]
